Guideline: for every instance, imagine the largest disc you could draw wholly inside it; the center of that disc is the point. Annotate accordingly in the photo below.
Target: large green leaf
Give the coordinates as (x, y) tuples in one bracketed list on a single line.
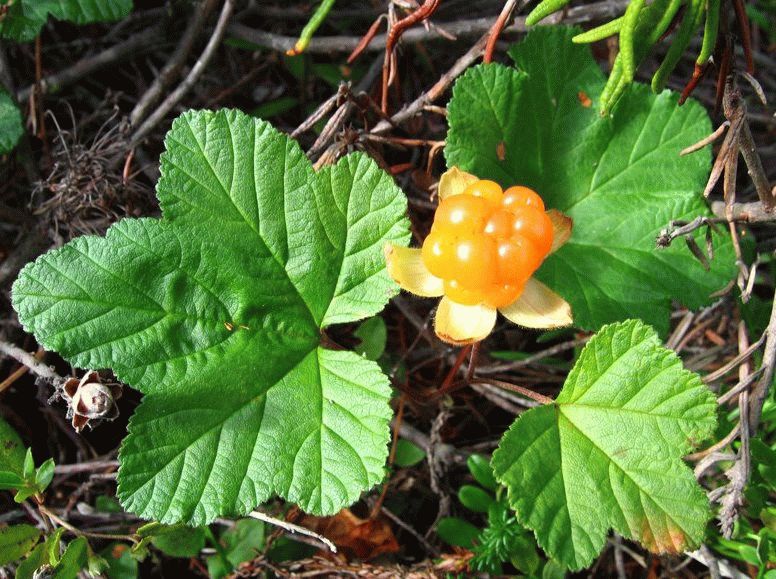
[(11, 127), (25, 18), (606, 454), (620, 178), (215, 314)]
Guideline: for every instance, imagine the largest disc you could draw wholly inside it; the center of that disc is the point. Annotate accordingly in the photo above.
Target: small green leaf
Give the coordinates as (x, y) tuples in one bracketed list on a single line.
[(457, 532), (373, 335), (25, 18), (620, 178), (215, 314), (180, 541), (107, 504), (11, 450), (475, 499), (53, 548), (121, 563), (240, 544), (408, 453), (10, 481), (16, 541), (74, 559), (11, 126), (613, 439), (482, 472), (28, 469), (34, 561), (44, 475)]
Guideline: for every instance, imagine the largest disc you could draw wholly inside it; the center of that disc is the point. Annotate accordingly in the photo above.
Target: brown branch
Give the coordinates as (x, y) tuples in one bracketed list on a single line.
[(394, 34), (760, 391), (540, 398), (174, 64), (498, 26), (744, 212), (142, 42), (196, 71)]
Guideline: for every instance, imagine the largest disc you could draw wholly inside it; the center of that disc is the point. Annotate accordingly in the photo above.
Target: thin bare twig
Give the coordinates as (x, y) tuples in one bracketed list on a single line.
[(293, 529), (196, 71), (174, 64), (31, 362)]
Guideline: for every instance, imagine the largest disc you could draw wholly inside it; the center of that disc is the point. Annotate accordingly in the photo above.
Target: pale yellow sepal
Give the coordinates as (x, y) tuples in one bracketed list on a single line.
[(461, 325), (561, 228), (454, 182), (405, 265), (538, 307)]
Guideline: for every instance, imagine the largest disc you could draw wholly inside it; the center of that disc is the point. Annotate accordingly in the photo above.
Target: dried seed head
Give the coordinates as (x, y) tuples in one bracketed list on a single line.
[(93, 400), (88, 400)]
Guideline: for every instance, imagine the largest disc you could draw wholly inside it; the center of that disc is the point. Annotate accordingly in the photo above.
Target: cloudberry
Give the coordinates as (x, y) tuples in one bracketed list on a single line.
[(486, 243)]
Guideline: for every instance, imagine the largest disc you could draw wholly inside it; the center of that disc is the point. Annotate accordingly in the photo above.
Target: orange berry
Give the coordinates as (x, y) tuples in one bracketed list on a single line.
[(534, 225), (517, 259), (438, 254), (475, 260), (461, 294), (500, 295), (499, 224), (519, 196), (461, 214), (488, 190)]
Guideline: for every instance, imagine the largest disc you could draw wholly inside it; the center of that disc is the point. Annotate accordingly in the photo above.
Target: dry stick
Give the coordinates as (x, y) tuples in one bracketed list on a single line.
[(705, 140), (173, 67), (460, 29), (556, 349), (498, 26), (741, 357), (78, 532), (31, 362), (141, 42), (756, 172), (745, 212), (292, 528), (191, 78), (759, 393), (541, 399), (424, 12)]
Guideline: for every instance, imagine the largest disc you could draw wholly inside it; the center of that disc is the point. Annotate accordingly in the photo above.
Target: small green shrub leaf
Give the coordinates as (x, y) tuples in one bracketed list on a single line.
[(620, 178), (11, 127), (457, 532), (606, 454), (408, 453), (482, 472), (25, 18), (12, 450), (215, 313), (16, 541)]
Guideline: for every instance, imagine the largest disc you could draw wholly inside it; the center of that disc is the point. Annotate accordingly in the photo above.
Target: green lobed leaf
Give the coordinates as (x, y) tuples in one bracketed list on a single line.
[(620, 177), (214, 313), (16, 541), (606, 454), (11, 127), (25, 18)]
